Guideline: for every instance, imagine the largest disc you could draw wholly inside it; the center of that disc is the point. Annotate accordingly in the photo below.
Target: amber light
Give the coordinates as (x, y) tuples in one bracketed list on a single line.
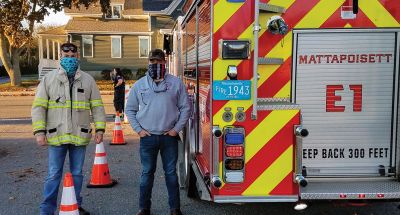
[(234, 151), (234, 164)]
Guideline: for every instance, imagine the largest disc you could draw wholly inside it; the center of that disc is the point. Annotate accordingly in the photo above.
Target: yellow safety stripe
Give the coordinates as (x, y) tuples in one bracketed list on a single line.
[(67, 138), (100, 125), (96, 103), (67, 104), (81, 105), (40, 102), (38, 125)]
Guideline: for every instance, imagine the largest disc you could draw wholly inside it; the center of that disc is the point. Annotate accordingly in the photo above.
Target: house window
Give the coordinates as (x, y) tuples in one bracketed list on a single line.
[(87, 41), (144, 46), (116, 47), (114, 12)]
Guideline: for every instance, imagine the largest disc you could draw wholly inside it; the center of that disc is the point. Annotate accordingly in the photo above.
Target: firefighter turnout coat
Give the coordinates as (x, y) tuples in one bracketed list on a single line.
[(63, 112)]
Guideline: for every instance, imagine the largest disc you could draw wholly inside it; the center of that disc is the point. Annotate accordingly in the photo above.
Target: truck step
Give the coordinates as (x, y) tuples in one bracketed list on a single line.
[(276, 104), (271, 8), (270, 61), (355, 189)]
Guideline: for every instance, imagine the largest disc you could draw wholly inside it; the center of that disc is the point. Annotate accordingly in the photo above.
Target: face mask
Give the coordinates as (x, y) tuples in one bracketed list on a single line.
[(70, 65), (157, 71)]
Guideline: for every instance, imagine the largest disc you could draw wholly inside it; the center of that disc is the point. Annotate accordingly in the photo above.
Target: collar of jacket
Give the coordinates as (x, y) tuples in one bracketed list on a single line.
[(62, 75)]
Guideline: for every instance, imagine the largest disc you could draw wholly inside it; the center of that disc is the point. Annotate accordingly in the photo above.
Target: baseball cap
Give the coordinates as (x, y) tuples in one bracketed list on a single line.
[(156, 54)]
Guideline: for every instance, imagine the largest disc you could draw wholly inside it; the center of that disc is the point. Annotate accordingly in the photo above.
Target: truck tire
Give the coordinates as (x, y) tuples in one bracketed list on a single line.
[(186, 176)]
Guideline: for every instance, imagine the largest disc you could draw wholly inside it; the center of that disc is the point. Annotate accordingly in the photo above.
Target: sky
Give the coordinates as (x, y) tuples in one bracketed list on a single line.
[(56, 19)]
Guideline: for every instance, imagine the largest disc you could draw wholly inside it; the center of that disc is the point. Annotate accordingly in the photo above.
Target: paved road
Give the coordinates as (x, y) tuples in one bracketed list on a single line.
[(23, 169)]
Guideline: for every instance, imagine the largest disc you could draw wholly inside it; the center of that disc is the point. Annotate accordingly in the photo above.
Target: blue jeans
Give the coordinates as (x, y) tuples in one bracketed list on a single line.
[(55, 170), (168, 147)]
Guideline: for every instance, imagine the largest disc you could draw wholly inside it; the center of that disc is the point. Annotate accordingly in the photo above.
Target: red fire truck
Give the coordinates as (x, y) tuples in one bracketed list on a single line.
[(293, 100)]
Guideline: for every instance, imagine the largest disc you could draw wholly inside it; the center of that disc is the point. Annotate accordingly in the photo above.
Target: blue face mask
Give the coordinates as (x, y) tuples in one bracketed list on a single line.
[(70, 65)]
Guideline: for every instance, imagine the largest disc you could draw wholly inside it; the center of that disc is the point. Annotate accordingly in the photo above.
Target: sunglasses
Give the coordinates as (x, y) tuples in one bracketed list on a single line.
[(69, 48)]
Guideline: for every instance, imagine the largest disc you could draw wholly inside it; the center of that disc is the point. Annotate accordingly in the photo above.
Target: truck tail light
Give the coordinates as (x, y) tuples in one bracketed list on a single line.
[(233, 156), (234, 138), (234, 151), (234, 164)]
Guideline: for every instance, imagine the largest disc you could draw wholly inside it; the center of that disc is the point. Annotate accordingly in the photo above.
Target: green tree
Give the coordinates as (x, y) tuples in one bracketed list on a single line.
[(17, 24)]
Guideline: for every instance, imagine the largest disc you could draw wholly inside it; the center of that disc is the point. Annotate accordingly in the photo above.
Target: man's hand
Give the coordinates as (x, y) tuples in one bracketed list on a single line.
[(171, 133), (144, 133), (41, 140), (98, 137)]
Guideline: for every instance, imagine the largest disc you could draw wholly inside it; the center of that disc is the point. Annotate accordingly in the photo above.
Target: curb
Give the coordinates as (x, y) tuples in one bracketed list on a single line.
[(32, 93)]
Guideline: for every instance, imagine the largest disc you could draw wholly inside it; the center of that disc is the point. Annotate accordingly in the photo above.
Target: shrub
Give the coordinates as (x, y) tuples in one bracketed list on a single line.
[(141, 72), (3, 71), (127, 73), (105, 74)]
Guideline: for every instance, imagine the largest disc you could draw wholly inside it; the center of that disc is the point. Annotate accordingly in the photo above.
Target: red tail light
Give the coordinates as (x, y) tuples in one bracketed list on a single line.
[(234, 151)]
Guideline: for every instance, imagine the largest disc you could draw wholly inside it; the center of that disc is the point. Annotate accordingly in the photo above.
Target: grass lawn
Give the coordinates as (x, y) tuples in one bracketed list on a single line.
[(30, 85), (25, 86)]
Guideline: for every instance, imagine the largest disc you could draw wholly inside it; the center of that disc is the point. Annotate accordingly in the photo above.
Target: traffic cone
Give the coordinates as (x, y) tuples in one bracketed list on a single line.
[(100, 173), (118, 135), (68, 206)]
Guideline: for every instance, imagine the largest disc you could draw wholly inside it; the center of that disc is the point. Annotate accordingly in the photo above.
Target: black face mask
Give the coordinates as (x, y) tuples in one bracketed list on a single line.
[(157, 71)]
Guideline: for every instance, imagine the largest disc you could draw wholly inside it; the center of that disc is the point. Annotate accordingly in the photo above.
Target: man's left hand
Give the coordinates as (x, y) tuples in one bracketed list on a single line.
[(171, 133), (98, 138)]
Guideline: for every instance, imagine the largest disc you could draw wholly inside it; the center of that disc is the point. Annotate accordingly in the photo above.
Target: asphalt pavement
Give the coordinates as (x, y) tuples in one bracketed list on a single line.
[(23, 167)]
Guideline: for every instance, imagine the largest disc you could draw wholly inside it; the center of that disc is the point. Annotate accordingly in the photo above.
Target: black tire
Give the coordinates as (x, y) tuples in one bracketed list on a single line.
[(187, 178)]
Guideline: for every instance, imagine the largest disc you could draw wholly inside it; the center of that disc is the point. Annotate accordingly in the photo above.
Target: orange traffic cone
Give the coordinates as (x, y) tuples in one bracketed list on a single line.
[(68, 206), (118, 135), (100, 172)]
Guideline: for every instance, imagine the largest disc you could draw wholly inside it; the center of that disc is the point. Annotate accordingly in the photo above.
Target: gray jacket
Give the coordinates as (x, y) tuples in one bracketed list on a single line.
[(158, 108)]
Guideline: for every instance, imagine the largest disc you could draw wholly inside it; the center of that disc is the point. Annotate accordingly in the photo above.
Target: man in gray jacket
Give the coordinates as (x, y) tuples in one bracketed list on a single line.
[(157, 109)]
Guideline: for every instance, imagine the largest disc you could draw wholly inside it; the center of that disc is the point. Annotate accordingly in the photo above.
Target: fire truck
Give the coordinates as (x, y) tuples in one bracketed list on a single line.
[(292, 100)]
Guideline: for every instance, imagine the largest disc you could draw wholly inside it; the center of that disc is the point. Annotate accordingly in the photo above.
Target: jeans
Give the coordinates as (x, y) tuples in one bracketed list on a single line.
[(56, 162), (168, 147)]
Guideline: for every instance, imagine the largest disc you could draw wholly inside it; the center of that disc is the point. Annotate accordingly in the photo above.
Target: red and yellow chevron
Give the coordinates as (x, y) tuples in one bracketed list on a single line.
[(269, 142)]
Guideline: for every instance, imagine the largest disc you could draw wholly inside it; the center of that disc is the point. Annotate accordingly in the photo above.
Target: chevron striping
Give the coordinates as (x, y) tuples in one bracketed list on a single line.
[(375, 11), (272, 176), (274, 122), (229, 10)]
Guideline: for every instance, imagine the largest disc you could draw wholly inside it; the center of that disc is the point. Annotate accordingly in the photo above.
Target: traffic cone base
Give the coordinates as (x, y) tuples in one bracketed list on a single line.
[(100, 172), (113, 182), (118, 135)]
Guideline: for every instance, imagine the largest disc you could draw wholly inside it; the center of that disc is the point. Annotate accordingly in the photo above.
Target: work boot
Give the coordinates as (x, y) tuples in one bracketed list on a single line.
[(83, 211), (176, 212), (143, 212)]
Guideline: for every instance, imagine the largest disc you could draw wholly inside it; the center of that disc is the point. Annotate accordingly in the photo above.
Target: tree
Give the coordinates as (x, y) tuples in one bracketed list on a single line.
[(17, 24)]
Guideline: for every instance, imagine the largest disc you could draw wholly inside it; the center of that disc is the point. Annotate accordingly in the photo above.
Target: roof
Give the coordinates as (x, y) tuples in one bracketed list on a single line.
[(92, 9), (131, 7), (104, 25), (54, 31), (162, 7), (156, 5)]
